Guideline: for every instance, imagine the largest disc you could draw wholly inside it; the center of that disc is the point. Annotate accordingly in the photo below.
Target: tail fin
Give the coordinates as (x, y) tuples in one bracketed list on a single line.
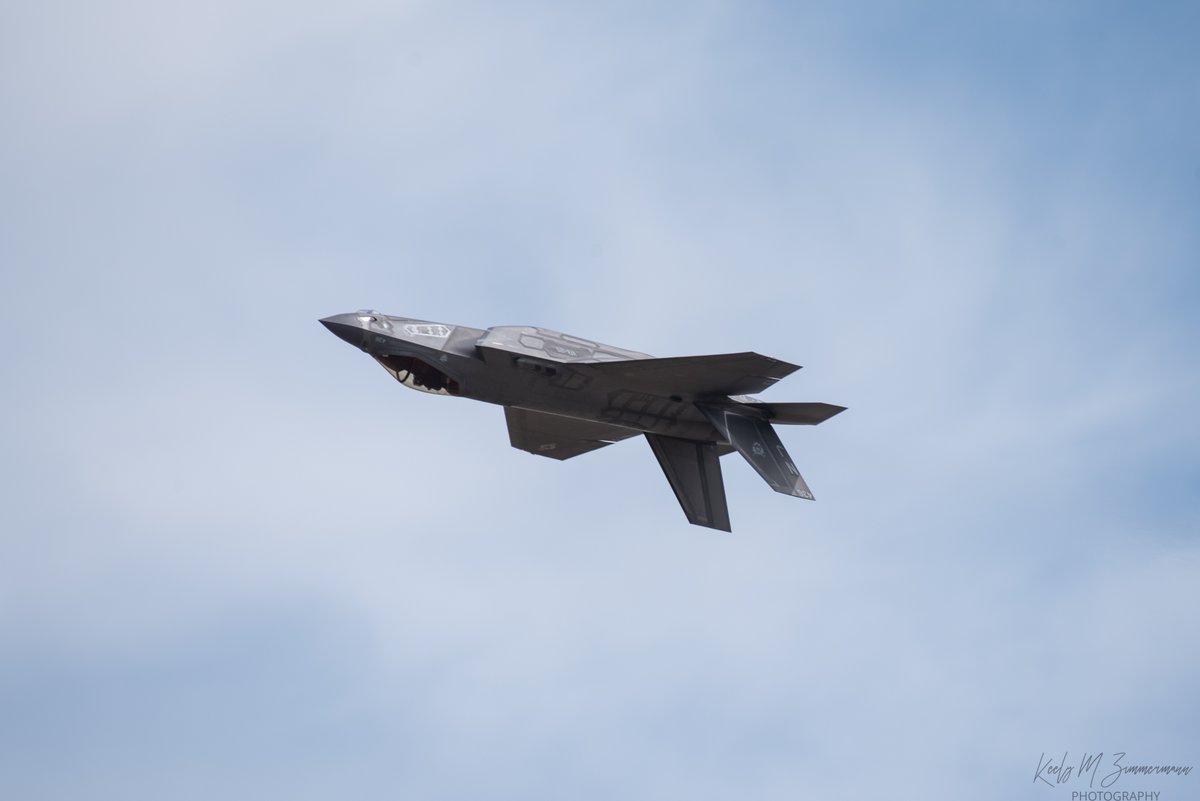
[(755, 440), (694, 470)]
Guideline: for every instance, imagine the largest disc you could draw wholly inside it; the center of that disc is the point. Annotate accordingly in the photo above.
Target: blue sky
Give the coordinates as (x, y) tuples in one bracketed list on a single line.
[(235, 560)]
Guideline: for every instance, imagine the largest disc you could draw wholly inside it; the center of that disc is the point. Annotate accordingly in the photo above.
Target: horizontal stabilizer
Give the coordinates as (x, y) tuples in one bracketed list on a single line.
[(694, 470), (559, 437), (698, 376), (797, 414), (759, 444)]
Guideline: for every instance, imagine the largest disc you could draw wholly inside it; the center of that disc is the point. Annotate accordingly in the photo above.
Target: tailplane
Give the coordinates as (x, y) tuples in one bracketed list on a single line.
[(797, 414)]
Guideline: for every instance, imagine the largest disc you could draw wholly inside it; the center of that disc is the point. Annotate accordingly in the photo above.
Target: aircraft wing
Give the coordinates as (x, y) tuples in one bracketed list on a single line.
[(720, 374), (559, 437)]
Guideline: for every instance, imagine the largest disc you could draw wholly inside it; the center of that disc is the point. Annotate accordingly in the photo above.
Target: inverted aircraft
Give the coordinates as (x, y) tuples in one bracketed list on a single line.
[(564, 396)]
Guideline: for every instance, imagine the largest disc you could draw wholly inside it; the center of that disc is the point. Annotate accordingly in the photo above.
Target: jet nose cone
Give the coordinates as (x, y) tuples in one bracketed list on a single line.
[(346, 327)]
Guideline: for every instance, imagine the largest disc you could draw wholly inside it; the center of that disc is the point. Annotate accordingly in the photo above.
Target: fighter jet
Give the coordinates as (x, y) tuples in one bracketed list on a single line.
[(564, 396)]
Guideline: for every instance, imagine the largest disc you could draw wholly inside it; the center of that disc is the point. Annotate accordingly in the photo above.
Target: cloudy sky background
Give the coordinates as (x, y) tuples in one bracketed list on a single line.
[(237, 561)]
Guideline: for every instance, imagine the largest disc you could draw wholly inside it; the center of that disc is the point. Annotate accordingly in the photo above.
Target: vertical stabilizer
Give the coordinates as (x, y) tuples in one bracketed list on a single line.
[(694, 470), (755, 440)]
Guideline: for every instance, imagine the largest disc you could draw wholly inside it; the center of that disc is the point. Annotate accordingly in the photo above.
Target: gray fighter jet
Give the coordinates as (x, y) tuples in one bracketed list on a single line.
[(563, 396)]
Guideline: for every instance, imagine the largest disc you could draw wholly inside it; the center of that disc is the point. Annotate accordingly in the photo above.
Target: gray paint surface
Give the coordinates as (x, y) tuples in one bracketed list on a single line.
[(565, 396)]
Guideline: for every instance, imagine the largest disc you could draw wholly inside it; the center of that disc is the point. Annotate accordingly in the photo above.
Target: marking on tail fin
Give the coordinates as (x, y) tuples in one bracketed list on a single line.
[(747, 432)]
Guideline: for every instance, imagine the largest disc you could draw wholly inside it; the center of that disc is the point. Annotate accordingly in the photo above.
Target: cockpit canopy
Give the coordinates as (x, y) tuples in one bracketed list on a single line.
[(370, 318)]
